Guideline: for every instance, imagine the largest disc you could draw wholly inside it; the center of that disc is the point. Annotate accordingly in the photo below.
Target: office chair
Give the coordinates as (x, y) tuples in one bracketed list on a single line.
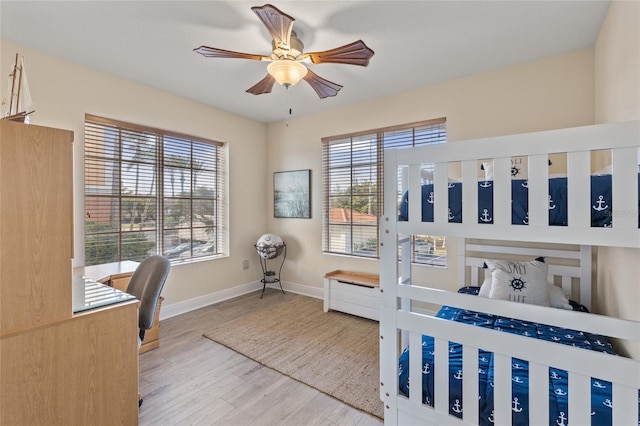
[(146, 284)]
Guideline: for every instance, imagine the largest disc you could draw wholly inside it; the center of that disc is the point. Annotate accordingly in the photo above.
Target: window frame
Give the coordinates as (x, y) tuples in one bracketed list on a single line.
[(328, 223), (189, 155)]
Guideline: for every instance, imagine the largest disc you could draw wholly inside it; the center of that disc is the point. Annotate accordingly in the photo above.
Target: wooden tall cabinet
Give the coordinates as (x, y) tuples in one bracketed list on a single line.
[(35, 225), (56, 367)]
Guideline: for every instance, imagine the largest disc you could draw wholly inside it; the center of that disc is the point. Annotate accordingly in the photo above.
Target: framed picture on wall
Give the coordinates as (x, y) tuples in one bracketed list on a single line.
[(292, 194)]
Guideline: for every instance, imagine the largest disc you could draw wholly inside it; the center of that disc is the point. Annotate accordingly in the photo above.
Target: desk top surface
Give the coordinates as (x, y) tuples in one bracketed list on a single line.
[(107, 271), (89, 294)]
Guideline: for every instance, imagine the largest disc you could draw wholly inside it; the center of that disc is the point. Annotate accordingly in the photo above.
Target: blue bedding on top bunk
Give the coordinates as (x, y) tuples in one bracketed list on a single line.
[(601, 391), (601, 202)]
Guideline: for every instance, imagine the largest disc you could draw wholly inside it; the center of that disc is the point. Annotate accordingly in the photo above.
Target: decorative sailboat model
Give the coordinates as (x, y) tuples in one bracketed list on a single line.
[(20, 103)]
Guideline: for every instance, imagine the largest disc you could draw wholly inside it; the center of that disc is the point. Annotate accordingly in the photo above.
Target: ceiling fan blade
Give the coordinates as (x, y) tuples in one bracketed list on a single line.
[(323, 87), (263, 86), (277, 22), (356, 53), (214, 52)]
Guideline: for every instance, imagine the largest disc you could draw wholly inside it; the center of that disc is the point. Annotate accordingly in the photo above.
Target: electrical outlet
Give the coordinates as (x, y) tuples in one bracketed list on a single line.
[(245, 264)]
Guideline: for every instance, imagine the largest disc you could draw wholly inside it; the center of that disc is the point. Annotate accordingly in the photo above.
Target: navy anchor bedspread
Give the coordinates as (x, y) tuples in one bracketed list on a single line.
[(601, 391), (601, 202)]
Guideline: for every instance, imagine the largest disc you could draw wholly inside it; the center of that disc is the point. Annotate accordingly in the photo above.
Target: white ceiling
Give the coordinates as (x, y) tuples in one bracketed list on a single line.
[(416, 43)]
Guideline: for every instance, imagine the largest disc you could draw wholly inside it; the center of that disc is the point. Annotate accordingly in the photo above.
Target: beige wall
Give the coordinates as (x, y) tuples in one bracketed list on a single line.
[(551, 93), (63, 92), (617, 98), (554, 92)]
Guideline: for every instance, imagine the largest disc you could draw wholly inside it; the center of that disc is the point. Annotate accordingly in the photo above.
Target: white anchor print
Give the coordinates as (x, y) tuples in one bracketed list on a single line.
[(517, 379), (458, 375), (551, 205), (426, 369), (561, 419), (600, 202), (517, 366), (430, 199), (597, 384), (516, 405), (525, 184), (456, 408), (599, 343), (554, 375), (485, 216), (485, 184), (451, 216), (526, 219), (607, 403), (560, 392), (490, 418), (451, 185)]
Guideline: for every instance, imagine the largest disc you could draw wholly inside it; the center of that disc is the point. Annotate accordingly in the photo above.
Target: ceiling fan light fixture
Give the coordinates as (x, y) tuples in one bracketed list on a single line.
[(287, 72)]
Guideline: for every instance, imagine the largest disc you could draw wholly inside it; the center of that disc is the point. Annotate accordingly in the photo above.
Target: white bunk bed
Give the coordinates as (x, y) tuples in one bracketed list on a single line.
[(404, 321)]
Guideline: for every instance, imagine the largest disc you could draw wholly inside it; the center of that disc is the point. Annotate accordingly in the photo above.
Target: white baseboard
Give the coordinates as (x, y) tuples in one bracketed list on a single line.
[(185, 306)]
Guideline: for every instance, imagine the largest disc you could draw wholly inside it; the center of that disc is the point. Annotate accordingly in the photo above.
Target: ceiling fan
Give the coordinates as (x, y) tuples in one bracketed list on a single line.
[(287, 60)]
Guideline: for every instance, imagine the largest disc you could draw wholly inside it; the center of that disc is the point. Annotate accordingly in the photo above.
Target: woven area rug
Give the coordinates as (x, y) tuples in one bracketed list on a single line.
[(333, 352)]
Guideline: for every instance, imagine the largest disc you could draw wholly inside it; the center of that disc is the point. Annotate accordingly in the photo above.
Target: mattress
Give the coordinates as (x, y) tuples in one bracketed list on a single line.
[(601, 202), (601, 391)]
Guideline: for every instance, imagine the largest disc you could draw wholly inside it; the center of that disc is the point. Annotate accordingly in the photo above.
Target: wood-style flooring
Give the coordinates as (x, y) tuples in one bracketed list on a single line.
[(191, 380)]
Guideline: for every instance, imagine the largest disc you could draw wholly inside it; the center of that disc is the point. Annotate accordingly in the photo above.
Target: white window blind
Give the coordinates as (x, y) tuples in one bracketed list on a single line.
[(353, 181), (149, 191)]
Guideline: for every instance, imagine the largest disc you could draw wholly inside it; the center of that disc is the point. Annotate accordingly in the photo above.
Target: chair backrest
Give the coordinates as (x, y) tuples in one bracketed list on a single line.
[(146, 284)]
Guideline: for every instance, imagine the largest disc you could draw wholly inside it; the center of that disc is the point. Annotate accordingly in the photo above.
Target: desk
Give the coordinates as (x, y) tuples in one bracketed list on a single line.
[(118, 275), (82, 370), (109, 271), (88, 294)]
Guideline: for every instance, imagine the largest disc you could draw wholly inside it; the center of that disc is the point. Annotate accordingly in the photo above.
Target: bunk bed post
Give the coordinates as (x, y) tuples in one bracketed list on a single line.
[(388, 288), (462, 262), (585, 276)]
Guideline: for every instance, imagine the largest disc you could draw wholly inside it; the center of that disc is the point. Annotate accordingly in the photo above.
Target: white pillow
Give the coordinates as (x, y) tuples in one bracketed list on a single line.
[(519, 168), (522, 282), (605, 171), (557, 298), (485, 288)]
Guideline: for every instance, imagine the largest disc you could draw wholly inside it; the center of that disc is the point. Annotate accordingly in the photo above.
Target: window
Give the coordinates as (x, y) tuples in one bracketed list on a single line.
[(352, 189), (148, 191)]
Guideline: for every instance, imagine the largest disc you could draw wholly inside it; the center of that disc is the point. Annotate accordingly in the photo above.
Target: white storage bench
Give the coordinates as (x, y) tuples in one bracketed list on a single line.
[(355, 293)]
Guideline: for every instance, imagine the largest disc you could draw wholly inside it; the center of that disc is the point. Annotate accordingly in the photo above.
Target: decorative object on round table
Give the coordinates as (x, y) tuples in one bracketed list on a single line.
[(269, 246)]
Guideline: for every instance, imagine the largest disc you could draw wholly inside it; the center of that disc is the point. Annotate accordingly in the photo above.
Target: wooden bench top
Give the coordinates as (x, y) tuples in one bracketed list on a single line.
[(359, 278)]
